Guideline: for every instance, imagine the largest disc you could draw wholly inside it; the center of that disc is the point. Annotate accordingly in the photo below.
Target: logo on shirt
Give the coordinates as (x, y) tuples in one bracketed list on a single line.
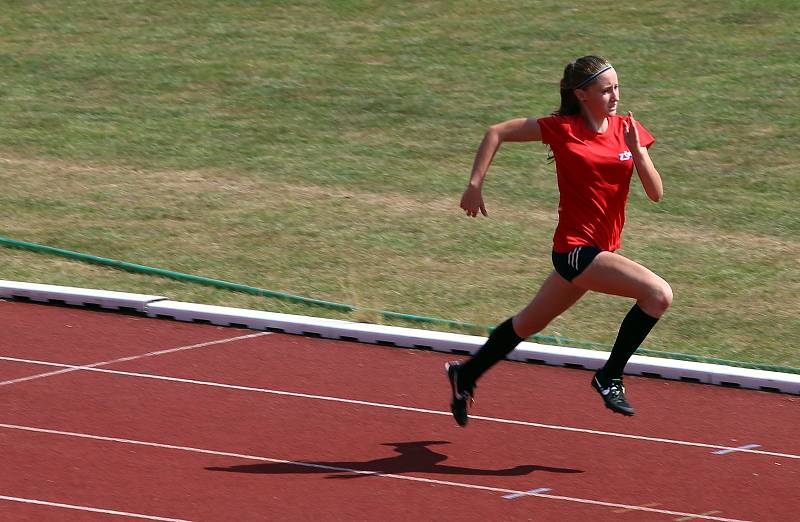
[(624, 156)]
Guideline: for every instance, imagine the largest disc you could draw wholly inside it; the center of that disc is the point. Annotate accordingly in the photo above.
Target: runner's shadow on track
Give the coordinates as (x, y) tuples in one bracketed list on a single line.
[(413, 457)]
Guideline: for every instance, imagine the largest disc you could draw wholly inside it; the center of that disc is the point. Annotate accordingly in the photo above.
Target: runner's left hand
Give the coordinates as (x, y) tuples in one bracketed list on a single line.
[(631, 132)]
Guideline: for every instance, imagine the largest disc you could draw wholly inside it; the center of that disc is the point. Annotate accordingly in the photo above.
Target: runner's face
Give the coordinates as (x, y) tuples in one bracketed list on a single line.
[(602, 96)]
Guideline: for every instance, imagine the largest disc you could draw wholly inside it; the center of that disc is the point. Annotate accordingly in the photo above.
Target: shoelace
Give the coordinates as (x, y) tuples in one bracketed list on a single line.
[(616, 388), (468, 395), (471, 397)]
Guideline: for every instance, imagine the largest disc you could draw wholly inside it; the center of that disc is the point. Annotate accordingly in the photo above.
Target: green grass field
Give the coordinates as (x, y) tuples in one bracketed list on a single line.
[(320, 148)]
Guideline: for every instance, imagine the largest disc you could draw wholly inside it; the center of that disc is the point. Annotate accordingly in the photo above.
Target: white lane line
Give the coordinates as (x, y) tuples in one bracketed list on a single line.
[(406, 408), (87, 508), (733, 450), (132, 358), (649, 504), (360, 472)]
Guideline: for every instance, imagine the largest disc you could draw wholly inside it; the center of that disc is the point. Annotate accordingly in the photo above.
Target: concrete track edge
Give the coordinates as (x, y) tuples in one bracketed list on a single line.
[(162, 307)]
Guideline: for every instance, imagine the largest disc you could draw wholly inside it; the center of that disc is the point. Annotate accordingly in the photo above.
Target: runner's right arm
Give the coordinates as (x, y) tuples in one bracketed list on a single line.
[(518, 129)]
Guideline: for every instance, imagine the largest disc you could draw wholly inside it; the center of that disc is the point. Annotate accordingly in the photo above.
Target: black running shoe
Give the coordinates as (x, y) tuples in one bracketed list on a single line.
[(613, 393), (461, 396)]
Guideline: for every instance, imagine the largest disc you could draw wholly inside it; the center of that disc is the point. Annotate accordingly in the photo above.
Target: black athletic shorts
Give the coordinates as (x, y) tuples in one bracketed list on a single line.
[(570, 264)]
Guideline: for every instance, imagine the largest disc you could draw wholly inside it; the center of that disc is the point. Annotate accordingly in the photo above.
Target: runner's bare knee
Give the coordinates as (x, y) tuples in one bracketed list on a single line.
[(525, 327), (658, 299)]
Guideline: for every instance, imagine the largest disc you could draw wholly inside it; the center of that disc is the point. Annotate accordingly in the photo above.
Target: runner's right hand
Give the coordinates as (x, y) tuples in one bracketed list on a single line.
[(472, 201)]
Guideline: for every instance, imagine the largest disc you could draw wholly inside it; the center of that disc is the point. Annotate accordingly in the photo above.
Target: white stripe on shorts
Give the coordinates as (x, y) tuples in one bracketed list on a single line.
[(572, 259)]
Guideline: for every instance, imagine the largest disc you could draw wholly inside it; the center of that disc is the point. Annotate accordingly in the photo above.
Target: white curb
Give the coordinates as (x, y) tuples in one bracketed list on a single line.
[(157, 306), (76, 296)]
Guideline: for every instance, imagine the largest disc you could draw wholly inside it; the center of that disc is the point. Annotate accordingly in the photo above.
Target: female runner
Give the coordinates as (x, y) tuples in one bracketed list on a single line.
[(595, 152)]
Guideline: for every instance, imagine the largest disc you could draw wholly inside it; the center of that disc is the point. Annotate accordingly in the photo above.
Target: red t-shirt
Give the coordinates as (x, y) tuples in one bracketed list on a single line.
[(594, 174)]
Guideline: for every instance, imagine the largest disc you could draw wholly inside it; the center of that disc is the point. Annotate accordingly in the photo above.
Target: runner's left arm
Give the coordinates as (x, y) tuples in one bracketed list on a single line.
[(649, 176)]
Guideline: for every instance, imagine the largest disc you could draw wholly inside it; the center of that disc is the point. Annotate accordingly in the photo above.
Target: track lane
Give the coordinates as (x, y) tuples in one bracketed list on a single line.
[(350, 436), (128, 405)]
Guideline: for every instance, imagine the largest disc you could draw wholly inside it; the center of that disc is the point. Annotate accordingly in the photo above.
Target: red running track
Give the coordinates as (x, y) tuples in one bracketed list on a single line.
[(230, 424)]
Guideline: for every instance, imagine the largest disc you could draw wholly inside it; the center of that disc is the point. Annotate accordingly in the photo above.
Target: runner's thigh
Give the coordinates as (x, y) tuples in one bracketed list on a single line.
[(554, 297), (614, 274)]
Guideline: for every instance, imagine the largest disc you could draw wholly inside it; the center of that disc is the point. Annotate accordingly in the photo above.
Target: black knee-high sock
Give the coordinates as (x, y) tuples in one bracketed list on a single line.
[(502, 340), (633, 330)]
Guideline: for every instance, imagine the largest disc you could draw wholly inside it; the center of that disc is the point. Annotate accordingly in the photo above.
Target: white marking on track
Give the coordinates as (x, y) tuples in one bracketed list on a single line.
[(91, 509), (405, 408), (733, 450), (528, 493), (362, 472), (684, 519), (132, 358)]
